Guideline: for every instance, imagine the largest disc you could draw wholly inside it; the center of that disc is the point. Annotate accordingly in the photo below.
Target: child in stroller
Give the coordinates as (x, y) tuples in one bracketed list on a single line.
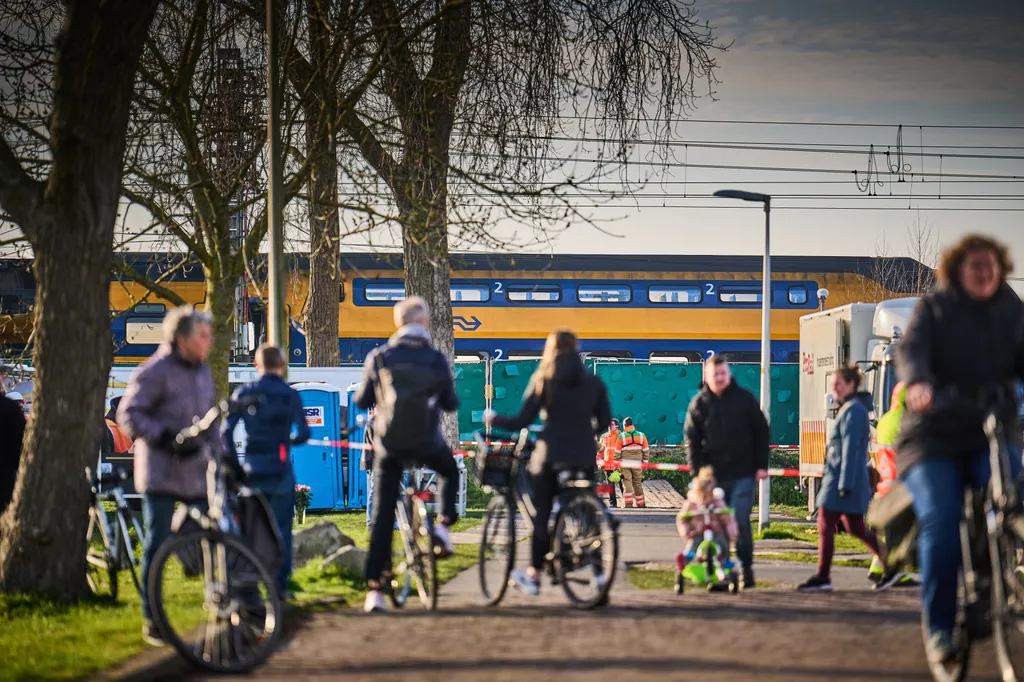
[(709, 528)]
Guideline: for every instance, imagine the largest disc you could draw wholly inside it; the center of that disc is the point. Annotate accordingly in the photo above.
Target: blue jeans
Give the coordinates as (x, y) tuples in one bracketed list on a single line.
[(157, 512), (938, 489), (280, 494), (739, 494)]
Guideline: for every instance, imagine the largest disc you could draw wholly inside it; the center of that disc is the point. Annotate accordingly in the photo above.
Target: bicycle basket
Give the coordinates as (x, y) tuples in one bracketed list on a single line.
[(495, 466)]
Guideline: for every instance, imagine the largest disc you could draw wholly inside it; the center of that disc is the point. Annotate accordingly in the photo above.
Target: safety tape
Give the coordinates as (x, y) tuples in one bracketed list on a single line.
[(625, 464), (653, 445)]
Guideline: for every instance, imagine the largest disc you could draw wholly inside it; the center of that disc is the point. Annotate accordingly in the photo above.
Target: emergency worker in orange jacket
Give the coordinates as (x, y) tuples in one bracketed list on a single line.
[(633, 446), (606, 457)]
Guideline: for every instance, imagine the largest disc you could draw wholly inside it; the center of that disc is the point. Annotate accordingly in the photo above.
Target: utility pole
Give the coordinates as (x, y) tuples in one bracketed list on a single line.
[(277, 322)]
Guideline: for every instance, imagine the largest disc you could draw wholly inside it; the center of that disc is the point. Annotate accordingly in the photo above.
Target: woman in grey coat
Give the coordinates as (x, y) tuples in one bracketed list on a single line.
[(165, 393), (845, 485)]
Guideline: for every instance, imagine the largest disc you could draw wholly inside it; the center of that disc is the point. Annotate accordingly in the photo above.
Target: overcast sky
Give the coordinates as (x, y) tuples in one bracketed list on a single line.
[(914, 62)]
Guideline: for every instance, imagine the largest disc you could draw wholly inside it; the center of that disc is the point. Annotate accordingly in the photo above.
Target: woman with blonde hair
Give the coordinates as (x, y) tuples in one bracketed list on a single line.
[(574, 407)]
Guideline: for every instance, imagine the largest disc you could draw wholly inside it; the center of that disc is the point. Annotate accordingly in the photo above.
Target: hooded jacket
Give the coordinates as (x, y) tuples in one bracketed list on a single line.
[(569, 405), (727, 432), (410, 346), (846, 459), (955, 342)]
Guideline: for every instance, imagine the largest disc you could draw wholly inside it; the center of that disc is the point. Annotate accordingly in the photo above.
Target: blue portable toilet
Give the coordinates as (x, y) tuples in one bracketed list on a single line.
[(357, 476), (319, 464)]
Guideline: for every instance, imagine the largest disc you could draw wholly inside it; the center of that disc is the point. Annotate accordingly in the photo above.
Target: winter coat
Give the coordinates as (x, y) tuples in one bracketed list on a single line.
[(568, 406), (164, 394), (410, 346), (268, 429), (12, 431), (728, 433), (846, 459), (954, 342)]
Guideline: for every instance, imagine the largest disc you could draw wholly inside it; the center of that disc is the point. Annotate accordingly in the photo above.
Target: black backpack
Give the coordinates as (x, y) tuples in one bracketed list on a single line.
[(405, 406)]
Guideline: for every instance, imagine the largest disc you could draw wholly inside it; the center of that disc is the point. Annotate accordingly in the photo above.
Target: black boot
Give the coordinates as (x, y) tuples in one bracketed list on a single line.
[(748, 579)]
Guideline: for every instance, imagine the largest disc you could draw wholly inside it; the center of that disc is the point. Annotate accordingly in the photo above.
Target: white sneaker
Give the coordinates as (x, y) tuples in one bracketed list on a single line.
[(374, 602), (524, 583), (443, 537)]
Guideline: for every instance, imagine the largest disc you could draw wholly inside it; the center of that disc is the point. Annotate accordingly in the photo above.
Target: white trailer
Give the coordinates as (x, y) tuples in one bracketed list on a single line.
[(861, 333)]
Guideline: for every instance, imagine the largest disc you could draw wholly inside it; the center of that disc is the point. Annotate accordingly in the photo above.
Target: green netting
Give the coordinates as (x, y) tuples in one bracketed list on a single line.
[(511, 377), (655, 396), (470, 383), (785, 408)]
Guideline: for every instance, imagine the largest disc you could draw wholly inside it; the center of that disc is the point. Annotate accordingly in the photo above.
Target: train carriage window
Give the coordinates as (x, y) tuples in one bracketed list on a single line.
[(609, 354), (603, 293), (679, 293), (378, 293), (797, 294), (741, 356), (150, 308), (524, 355), (683, 357), (144, 332), (470, 292), (523, 293), (739, 294)]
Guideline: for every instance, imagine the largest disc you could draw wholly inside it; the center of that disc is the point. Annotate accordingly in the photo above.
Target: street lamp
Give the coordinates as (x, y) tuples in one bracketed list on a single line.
[(766, 308), (277, 323)]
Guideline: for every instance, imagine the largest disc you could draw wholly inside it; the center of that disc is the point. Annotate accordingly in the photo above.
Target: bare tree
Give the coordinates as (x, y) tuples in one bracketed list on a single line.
[(198, 159), (67, 70), (923, 247), (913, 275)]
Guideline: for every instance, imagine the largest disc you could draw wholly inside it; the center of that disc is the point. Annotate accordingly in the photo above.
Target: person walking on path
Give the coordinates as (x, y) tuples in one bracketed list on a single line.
[(575, 409), (845, 485), (410, 383), (633, 446), (726, 430), (276, 415), (608, 454), (164, 395)]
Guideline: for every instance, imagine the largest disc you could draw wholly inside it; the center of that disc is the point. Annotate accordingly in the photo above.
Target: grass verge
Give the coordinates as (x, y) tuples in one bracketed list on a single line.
[(644, 579), (810, 559), (44, 639), (806, 533)]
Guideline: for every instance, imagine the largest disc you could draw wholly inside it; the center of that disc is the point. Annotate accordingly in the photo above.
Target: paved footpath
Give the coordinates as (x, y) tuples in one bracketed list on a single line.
[(770, 635)]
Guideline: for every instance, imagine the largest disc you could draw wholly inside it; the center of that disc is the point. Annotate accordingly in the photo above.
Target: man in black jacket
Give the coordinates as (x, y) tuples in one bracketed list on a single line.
[(726, 429), (411, 383), (12, 430)]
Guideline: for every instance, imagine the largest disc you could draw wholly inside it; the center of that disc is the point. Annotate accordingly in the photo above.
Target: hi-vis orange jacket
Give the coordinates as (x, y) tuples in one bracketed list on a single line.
[(633, 444), (122, 443), (609, 444)]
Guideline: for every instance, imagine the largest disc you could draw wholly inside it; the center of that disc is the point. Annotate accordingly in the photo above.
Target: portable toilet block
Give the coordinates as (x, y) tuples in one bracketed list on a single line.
[(358, 491), (318, 463)]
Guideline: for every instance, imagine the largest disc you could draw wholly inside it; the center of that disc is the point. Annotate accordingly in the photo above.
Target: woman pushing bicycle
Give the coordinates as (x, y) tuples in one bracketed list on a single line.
[(574, 407)]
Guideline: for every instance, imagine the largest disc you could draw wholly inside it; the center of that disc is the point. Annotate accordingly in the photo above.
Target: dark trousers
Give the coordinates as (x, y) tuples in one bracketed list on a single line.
[(157, 513), (827, 523), (739, 494), (387, 480), (612, 499), (280, 494), (545, 488)]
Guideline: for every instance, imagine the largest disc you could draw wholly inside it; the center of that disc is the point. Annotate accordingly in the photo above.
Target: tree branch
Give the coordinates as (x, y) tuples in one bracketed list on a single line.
[(155, 286), (20, 195)]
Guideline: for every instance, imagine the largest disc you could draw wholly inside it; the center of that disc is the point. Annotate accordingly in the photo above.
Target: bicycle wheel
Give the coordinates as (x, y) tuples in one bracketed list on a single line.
[(1008, 603), (398, 578), (229, 617), (100, 566), (497, 548), (586, 550), (424, 567)]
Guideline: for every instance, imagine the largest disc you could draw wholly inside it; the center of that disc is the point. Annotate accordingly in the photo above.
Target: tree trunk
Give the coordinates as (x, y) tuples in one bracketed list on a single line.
[(325, 285), (220, 303), (42, 534), (428, 274)]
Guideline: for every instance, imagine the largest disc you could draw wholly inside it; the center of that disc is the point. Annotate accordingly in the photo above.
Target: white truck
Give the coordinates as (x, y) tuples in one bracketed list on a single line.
[(862, 333)]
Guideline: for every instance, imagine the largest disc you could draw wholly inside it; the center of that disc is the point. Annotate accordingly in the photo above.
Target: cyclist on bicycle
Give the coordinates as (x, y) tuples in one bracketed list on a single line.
[(575, 408), (164, 395), (411, 383), (966, 336)]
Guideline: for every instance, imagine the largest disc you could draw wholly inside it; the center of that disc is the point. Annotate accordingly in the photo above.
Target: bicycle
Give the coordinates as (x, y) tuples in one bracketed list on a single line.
[(239, 604), (584, 536), (416, 548), (990, 596), (111, 547), (711, 568)]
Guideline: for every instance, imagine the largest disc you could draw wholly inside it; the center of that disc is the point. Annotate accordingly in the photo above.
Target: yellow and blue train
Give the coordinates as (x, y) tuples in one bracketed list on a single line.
[(659, 307)]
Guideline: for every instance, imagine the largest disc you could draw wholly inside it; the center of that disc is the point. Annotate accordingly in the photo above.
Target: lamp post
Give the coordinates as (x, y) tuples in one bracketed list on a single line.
[(766, 309), (277, 324)]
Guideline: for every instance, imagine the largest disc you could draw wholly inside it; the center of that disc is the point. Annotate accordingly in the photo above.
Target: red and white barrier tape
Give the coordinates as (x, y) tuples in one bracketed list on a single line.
[(653, 445), (622, 464)]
